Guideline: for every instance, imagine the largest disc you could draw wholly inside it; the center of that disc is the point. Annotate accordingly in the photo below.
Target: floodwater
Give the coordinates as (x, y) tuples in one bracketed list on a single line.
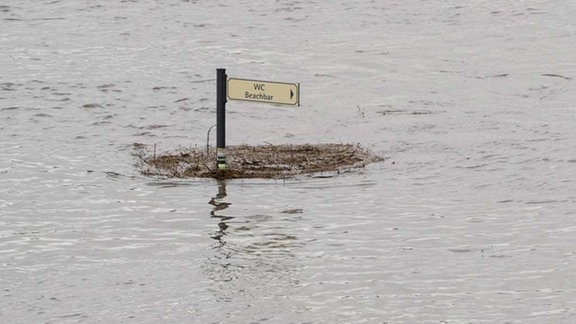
[(471, 219)]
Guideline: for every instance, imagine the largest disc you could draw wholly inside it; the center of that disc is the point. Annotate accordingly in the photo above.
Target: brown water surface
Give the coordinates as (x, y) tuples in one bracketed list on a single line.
[(470, 220)]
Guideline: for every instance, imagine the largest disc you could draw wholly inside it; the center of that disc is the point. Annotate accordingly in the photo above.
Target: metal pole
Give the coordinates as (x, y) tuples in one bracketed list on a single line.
[(221, 119)]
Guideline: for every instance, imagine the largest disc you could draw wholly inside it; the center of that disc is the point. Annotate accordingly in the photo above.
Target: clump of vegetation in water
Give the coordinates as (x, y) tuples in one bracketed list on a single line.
[(262, 161)]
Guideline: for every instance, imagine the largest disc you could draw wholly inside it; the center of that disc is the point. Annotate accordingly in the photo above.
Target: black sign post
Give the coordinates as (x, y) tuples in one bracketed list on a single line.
[(221, 119), (280, 93)]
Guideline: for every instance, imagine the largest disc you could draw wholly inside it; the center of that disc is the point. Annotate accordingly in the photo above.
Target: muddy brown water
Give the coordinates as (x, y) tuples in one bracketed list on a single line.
[(470, 220)]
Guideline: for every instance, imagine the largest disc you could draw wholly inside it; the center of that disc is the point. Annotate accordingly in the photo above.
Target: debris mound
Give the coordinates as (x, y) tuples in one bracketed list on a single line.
[(262, 161)]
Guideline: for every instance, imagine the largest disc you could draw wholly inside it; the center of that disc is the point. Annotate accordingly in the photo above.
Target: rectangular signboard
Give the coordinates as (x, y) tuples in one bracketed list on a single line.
[(264, 91)]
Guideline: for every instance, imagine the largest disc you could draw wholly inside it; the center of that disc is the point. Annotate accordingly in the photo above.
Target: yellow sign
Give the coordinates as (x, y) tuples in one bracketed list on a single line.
[(264, 91)]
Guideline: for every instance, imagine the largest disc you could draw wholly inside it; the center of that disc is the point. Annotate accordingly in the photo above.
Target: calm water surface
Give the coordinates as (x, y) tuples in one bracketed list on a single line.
[(469, 220)]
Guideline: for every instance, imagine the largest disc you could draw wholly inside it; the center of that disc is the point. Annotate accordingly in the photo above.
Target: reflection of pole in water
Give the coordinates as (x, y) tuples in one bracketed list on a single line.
[(220, 205), (256, 258)]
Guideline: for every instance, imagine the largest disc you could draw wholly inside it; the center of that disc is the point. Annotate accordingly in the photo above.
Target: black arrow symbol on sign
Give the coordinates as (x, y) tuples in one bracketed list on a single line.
[(291, 94)]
